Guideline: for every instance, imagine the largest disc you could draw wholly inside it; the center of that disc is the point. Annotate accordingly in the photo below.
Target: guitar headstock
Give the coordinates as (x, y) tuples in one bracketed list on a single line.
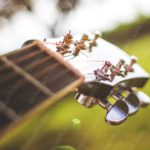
[(109, 73)]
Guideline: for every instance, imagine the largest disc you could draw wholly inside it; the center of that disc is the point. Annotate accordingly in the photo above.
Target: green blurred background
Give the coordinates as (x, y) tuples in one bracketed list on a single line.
[(56, 129)]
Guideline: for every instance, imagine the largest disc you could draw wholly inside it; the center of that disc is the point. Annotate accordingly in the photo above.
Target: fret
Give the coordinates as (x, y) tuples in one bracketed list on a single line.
[(9, 75), (10, 113), (49, 69), (18, 93), (27, 57), (6, 86), (27, 76), (55, 74), (30, 70), (41, 67), (35, 63), (37, 75), (29, 61), (12, 86)]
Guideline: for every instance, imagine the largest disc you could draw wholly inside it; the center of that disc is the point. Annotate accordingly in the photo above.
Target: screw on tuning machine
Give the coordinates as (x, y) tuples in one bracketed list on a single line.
[(116, 113), (93, 42), (116, 70), (131, 100), (102, 74)]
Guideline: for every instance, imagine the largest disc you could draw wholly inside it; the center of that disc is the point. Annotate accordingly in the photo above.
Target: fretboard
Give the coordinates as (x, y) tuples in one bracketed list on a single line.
[(31, 79)]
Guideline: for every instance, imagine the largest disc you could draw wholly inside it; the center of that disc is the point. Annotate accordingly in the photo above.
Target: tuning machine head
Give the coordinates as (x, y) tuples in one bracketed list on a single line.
[(133, 103), (117, 114), (143, 98), (131, 100)]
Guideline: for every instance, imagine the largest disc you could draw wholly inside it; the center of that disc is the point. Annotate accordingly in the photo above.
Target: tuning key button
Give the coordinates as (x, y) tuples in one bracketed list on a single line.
[(144, 98), (87, 101), (131, 100), (133, 103), (117, 114), (134, 59), (129, 68), (98, 34)]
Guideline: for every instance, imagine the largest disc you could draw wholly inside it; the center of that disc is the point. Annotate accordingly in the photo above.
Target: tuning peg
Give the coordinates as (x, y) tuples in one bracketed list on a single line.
[(134, 60), (131, 100), (144, 98), (85, 37), (129, 68), (87, 101), (116, 113), (98, 34), (133, 103)]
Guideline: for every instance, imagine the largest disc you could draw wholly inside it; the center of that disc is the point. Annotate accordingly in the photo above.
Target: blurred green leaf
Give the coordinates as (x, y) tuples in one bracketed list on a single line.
[(64, 147)]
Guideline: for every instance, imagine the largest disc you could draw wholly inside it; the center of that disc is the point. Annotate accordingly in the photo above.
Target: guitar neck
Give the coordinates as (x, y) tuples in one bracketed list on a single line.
[(28, 81)]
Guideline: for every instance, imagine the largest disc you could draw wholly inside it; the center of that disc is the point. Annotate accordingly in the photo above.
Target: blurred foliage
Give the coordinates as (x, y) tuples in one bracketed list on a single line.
[(67, 5), (64, 147), (12, 6), (127, 32)]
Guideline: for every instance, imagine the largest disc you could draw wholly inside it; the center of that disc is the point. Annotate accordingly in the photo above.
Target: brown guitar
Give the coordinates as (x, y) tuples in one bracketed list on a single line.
[(41, 72)]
